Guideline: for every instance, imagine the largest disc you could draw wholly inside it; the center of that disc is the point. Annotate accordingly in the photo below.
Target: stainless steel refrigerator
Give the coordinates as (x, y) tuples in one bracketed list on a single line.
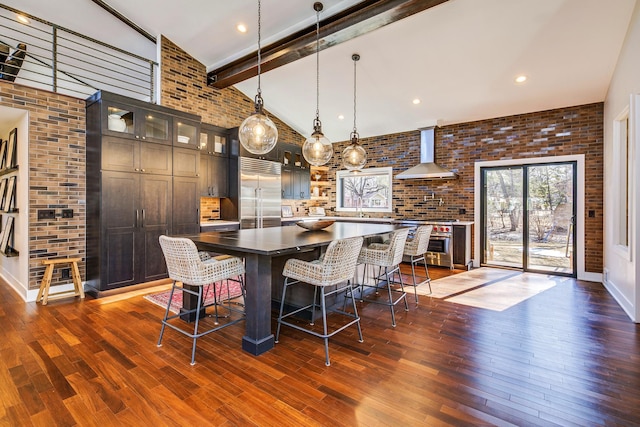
[(260, 193)]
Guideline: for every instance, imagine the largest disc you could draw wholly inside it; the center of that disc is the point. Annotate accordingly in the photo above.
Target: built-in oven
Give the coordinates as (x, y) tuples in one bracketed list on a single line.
[(439, 244), (439, 251)]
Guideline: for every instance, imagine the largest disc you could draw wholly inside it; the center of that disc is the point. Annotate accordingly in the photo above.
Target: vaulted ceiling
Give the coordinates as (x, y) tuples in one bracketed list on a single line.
[(459, 58)]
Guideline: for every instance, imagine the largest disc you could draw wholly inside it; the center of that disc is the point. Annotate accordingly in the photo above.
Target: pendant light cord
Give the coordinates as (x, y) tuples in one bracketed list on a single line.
[(355, 58), (259, 95), (318, 65)]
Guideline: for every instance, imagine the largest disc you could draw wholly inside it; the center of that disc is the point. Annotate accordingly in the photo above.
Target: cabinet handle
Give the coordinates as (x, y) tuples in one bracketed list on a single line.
[(143, 215), (137, 136), (137, 169), (144, 137), (142, 170), (137, 218)]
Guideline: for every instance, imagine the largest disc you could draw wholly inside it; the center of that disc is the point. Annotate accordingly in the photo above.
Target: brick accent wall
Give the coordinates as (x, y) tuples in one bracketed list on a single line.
[(564, 131), (57, 154), (184, 87)]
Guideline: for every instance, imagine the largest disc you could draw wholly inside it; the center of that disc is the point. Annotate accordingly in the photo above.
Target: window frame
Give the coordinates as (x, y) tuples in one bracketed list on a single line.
[(622, 159), (384, 171)]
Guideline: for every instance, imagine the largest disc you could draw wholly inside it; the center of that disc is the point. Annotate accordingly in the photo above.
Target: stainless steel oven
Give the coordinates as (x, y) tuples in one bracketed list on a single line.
[(440, 248)]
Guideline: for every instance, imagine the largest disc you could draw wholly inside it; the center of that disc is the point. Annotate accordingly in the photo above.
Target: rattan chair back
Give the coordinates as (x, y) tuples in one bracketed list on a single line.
[(387, 254), (420, 242), (185, 265), (337, 265)]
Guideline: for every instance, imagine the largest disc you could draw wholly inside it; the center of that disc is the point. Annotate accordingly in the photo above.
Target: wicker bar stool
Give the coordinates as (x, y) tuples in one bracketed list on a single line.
[(416, 248), (387, 256), (185, 266), (336, 268)]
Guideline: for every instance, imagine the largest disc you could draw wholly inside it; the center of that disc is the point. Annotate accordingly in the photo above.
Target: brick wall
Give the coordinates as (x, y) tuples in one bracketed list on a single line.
[(564, 131), (184, 87), (57, 153)]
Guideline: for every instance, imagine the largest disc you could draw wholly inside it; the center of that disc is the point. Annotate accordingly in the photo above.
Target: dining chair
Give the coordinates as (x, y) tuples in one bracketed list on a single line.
[(185, 266), (416, 248), (387, 256), (335, 269)]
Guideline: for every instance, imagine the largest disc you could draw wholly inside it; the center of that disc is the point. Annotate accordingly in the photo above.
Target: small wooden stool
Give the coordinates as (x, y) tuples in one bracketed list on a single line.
[(43, 293)]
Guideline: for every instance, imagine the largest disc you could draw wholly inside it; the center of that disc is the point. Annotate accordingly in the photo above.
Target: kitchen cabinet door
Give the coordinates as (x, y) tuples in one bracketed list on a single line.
[(136, 211), (302, 184), (186, 205), (120, 198), (132, 122), (186, 133), (286, 178), (219, 176), (119, 154), (187, 162), (154, 220), (214, 176)]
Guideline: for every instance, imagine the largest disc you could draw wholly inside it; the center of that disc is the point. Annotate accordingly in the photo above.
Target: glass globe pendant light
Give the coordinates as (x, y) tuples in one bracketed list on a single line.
[(354, 157), (317, 149), (257, 133)]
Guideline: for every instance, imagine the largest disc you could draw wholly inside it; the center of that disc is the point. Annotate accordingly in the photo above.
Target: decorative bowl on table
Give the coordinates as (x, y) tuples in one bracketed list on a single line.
[(315, 224)]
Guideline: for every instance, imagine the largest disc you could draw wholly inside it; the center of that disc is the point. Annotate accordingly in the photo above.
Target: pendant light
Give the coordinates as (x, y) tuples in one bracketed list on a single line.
[(317, 149), (354, 157), (257, 133)]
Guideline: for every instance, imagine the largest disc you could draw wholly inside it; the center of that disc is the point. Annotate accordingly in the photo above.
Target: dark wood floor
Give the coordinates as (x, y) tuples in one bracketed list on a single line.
[(568, 356)]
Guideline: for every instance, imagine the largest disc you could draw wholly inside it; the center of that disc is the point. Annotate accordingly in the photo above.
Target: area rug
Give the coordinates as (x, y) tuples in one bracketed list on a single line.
[(507, 292), (461, 282), (161, 298)]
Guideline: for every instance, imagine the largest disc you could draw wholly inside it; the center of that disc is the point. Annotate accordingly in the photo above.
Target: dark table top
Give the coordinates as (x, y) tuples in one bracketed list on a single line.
[(283, 240)]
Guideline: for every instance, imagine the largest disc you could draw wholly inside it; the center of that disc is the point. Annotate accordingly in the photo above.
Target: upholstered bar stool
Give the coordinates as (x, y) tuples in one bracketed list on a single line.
[(387, 256), (185, 266), (416, 248), (336, 268)]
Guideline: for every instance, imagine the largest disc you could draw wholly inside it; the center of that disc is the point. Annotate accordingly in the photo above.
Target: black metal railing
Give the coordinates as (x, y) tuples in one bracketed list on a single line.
[(40, 54)]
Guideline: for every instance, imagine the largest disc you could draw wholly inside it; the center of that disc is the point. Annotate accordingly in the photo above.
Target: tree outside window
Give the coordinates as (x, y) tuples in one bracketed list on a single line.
[(369, 190)]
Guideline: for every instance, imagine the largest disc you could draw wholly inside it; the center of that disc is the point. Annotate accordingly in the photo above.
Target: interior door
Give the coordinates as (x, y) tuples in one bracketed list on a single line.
[(528, 217)]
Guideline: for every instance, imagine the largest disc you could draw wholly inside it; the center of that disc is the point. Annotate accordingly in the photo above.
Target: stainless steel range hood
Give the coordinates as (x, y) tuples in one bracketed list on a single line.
[(427, 169)]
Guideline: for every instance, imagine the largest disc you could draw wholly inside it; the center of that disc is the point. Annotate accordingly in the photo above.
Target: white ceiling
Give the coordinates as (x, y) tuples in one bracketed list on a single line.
[(460, 58)]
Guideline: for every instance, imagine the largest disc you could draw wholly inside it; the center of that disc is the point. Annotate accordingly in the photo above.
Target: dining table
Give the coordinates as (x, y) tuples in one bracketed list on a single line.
[(259, 247)]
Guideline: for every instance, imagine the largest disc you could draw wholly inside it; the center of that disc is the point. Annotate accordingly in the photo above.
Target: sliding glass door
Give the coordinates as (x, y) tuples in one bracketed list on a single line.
[(528, 214)]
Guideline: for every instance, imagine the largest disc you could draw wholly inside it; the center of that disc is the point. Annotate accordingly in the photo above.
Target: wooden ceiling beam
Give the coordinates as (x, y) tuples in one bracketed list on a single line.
[(359, 19)]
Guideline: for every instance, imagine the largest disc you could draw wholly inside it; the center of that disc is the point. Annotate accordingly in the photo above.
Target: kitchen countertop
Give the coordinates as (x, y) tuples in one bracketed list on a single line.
[(218, 222), (370, 220)]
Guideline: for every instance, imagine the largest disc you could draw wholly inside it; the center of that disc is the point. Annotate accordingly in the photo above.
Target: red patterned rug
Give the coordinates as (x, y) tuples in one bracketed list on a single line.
[(161, 298)]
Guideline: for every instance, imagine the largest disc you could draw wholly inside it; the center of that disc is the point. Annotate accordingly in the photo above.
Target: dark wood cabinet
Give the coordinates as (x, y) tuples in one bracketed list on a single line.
[(296, 177), (214, 176), (214, 161), (186, 162), (214, 140), (186, 133), (462, 246), (136, 211), (123, 118), (286, 181), (296, 183), (127, 155), (186, 205), (301, 184), (140, 185)]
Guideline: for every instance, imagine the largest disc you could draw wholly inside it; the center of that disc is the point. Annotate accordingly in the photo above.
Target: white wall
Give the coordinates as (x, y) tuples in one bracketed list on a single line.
[(15, 270), (622, 270)]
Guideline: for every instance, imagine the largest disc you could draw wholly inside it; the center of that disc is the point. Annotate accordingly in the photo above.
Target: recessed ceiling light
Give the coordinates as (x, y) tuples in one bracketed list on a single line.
[(242, 28), (340, 117), (521, 79), (22, 19), (416, 101)]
